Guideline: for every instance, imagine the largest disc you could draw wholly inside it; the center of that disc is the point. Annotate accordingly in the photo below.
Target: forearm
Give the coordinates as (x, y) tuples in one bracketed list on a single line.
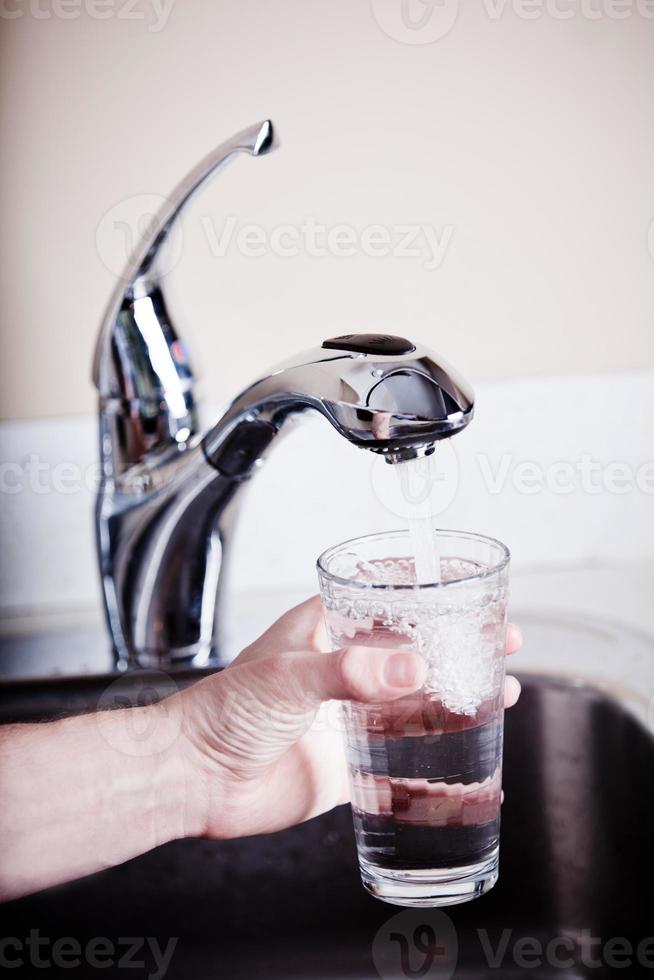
[(87, 793)]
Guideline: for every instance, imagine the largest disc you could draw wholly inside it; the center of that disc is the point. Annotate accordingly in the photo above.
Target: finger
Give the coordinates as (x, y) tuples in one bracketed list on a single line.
[(301, 628), (512, 689), (513, 638), (355, 673)]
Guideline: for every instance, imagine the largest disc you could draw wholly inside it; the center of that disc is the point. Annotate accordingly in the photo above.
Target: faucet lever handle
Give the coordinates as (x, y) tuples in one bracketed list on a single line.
[(141, 276), (256, 140)]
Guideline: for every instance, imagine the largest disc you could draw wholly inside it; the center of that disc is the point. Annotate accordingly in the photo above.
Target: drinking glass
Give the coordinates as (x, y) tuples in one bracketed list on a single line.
[(425, 770)]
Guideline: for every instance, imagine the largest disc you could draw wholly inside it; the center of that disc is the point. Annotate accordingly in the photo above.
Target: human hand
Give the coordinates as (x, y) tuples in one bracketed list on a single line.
[(257, 749)]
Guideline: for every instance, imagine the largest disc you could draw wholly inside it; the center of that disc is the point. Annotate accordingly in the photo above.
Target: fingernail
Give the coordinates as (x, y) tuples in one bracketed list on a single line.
[(401, 670), (516, 634)]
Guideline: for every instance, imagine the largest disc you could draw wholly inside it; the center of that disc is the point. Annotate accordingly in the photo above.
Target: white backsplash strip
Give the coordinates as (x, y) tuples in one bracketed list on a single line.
[(561, 469)]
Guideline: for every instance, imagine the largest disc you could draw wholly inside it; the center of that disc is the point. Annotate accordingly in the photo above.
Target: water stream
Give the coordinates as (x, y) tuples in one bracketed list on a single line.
[(417, 478)]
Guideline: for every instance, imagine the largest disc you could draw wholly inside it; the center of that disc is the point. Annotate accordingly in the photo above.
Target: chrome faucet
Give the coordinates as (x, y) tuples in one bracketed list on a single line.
[(169, 494)]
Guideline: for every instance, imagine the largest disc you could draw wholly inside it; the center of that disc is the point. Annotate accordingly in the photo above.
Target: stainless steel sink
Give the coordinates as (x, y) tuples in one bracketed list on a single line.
[(576, 866)]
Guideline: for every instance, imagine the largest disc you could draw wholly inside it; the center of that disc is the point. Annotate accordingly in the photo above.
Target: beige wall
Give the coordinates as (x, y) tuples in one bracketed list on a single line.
[(528, 143)]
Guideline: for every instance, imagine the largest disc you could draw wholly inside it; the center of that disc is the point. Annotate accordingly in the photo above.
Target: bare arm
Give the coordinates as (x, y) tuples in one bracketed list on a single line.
[(83, 794)]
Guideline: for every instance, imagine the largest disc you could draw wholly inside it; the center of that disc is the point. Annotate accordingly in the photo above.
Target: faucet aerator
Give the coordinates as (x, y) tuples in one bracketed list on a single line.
[(404, 453)]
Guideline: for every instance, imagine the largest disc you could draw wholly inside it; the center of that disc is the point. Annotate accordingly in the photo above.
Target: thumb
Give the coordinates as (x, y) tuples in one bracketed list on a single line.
[(299, 681)]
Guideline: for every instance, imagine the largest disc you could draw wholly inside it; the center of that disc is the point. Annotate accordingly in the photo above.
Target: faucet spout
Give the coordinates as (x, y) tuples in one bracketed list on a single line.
[(382, 393)]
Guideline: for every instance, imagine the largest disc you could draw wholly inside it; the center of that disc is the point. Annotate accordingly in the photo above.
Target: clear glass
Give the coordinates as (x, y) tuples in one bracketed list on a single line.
[(425, 770)]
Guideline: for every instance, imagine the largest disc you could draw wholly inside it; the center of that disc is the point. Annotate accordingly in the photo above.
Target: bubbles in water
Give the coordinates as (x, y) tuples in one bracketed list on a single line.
[(402, 571), (459, 633), (388, 571)]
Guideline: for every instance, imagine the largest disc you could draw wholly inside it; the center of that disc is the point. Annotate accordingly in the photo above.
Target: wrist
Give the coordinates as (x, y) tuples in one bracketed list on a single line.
[(210, 801), (182, 782), (146, 762)]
